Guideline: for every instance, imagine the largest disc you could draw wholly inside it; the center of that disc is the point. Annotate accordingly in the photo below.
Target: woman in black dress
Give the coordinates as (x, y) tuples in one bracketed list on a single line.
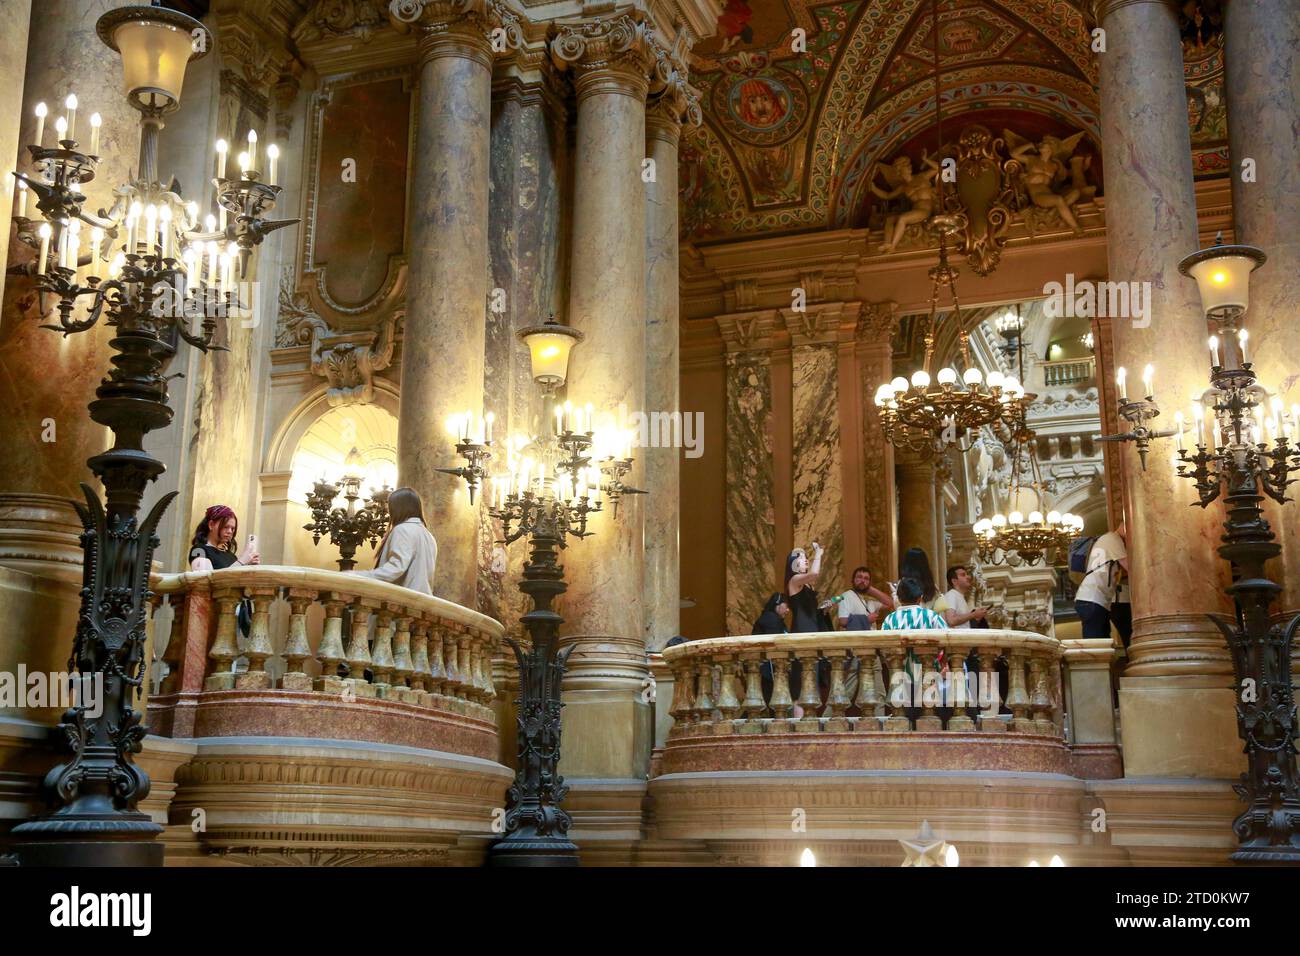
[(800, 591)]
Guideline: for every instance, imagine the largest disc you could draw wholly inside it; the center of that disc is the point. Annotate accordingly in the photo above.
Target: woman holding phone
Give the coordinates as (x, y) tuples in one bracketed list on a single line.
[(213, 547)]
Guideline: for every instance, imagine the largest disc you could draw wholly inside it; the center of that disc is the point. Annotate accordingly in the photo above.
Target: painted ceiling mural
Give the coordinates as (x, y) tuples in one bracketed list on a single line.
[(810, 106)]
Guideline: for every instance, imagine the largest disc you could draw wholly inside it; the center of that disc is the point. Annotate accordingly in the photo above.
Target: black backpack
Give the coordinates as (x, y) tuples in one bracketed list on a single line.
[(1079, 552)]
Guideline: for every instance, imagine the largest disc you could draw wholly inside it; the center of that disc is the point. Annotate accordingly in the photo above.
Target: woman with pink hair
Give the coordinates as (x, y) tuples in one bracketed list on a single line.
[(213, 547)]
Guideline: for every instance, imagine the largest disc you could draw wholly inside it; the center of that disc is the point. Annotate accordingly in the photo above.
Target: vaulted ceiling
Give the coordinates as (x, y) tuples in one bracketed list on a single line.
[(803, 98)]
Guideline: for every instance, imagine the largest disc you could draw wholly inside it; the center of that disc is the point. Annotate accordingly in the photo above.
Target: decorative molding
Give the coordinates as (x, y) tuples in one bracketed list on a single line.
[(750, 332)]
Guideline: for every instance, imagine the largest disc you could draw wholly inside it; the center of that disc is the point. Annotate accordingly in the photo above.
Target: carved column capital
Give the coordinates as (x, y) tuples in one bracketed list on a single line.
[(1100, 9), (747, 331), (820, 324), (472, 29), (877, 323), (611, 55)]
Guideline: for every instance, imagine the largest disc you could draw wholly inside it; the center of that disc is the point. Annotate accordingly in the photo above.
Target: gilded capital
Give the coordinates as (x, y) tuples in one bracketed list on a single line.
[(747, 331), (878, 322), (676, 103), (613, 54)]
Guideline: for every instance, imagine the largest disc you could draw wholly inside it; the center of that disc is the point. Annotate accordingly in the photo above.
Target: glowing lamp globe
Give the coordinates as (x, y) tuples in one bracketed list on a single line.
[(156, 45), (920, 378), (1222, 275), (972, 376), (549, 345), (946, 376)]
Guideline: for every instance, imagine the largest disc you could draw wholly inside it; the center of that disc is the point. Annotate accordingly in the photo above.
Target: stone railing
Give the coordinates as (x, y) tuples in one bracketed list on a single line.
[(905, 700), (327, 656), (1068, 371)]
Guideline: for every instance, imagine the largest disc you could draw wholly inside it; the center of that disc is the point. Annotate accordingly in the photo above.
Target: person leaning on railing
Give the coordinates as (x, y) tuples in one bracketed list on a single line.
[(408, 553)]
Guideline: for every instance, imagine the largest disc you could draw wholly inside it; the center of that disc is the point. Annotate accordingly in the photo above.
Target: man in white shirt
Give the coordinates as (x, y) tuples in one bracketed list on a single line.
[(1107, 563), (860, 606), (960, 613)]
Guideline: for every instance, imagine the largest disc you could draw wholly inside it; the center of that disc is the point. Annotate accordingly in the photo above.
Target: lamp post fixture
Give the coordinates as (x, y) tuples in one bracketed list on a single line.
[(549, 492), (347, 527), (1244, 456), (148, 248)]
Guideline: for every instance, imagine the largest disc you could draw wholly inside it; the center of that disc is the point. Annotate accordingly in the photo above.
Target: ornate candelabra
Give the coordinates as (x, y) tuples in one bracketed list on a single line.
[(547, 493), (1139, 412), (1242, 454), (145, 278), (347, 527)]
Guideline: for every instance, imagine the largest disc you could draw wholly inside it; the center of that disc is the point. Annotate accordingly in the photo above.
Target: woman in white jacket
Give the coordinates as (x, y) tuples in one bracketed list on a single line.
[(408, 552)]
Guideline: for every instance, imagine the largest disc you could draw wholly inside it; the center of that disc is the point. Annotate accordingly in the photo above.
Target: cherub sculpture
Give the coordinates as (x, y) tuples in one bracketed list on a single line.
[(919, 187), (1045, 170)]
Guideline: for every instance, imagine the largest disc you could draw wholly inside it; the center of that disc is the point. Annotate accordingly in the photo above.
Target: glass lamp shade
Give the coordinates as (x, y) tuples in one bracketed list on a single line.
[(549, 344), (156, 45), (1222, 275)]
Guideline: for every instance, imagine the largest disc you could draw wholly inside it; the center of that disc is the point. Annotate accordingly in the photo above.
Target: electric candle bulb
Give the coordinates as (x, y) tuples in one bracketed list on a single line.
[(1178, 425), (1148, 380), (222, 148), (165, 227), (252, 149), (559, 419), (45, 233), (273, 154), (61, 129), (96, 243), (1214, 350), (1241, 342), (1121, 376), (244, 163), (232, 250), (150, 227), (568, 420), (488, 419), (587, 420), (210, 223), (95, 122), (71, 104), (191, 214), (22, 199), (41, 112)]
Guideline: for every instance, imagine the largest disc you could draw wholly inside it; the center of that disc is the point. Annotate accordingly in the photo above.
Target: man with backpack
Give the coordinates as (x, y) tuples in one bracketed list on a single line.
[(1104, 565)]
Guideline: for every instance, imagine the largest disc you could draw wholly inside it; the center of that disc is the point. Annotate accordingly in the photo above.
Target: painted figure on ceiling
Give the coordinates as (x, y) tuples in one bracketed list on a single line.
[(733, 24), (760, 104)]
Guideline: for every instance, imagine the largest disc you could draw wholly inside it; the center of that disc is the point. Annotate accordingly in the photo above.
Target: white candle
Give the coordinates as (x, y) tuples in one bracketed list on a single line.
[(41, 111), (95, 122), (22, 199), (1214, 350), (1241, 341), (45, 248), (587, 420), (568, 417), (71, 104), (1199, 415), (210, 223), (214, 278), (191, 215), (1148, 380), (222, 148), (559, 419), (273, 153), (150, 227), (1121, 374), (488, 419), (243, 163), (62, 247), (60, 129), (74, 246), (252, 149), (1178, 424), (96, 244), (165, 227)]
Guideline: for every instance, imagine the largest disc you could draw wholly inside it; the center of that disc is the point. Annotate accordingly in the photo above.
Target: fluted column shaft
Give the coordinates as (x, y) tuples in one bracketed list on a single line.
[(662, 591), (447, 284), (1262, 50)]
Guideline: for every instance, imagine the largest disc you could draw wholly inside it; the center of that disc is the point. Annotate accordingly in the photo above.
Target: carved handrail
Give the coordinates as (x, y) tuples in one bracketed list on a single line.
[(898, 681), (422, 664)]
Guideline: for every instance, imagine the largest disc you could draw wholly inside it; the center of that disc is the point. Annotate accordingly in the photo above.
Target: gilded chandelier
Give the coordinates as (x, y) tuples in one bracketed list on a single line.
[(1031, 537)]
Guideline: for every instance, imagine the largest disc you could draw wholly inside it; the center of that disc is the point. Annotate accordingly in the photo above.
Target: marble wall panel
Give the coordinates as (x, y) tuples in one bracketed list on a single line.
[(818, 485), (750, 530)]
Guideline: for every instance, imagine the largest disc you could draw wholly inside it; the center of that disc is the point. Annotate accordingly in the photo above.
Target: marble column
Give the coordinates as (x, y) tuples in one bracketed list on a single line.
[(525, 245), (877, 324), (751, 519), (447, 281), (662, 591), (1262, 53), (918, 521), (607, 719), (1175, 690), (818, 479), (14, 17)]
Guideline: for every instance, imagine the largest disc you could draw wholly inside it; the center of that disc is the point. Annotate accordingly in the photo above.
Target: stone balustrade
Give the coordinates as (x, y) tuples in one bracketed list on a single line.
[(327, 656), (1069, 371), (957, 699)]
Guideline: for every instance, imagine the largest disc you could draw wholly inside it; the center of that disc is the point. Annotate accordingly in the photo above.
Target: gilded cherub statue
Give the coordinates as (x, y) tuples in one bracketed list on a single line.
[(919, 187), (1046, 173)]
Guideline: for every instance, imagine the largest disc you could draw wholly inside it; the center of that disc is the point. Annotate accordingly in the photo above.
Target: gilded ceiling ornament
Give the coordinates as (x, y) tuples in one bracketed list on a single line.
[(984, 191)]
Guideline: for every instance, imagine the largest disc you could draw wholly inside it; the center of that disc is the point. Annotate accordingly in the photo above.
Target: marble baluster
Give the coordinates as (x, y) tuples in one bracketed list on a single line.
[(358, 649), (259, 641), (900, 690), (297, 650), (447, 282), (1179, 668), (989, 690), (753, 705), (403, 665), (381, 654), (1262, 61), (750, 524), (331, 653), (782, 703), (225, 646), (420, 662)]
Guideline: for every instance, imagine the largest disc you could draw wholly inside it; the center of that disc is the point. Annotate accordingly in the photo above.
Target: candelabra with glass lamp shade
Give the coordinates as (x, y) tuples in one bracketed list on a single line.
[(155, 277), (1244, 448), (551, 484)]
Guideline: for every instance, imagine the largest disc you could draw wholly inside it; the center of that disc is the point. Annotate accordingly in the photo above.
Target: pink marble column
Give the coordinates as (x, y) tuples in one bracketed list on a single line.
[(447, 285), (1150, 225), (1262, 49)]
